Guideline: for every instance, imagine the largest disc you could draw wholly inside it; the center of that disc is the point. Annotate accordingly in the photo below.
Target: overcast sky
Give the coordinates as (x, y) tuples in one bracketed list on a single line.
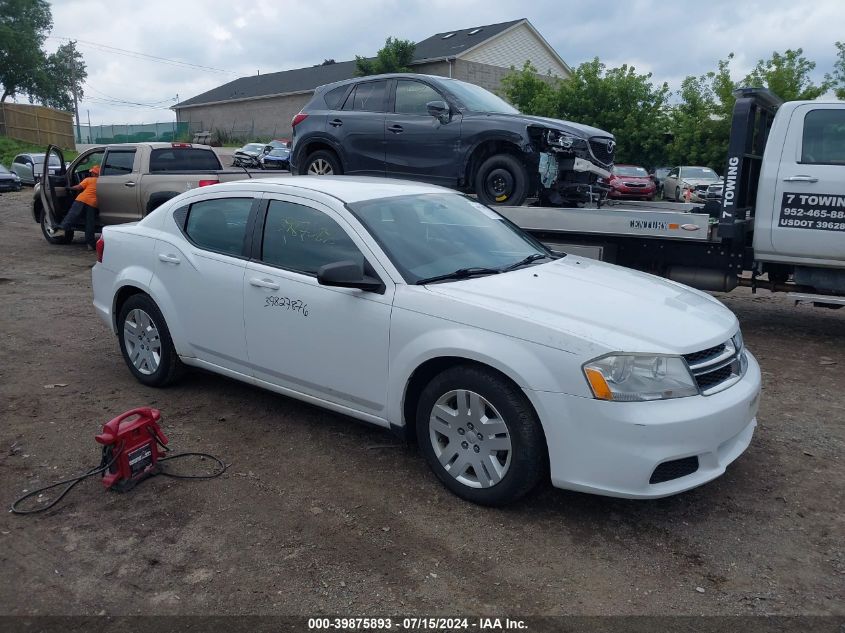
[(669, 39)]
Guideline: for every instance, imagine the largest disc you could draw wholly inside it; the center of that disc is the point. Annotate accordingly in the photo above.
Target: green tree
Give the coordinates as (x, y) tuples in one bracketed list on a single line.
[(837, 79), (394, 57), (787, 74), (618, 100), (63, 74), (24, 25)]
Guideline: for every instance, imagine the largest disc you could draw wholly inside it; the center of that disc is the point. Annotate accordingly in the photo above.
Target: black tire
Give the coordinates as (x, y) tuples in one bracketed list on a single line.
[(528, 456), (677, 194), (501, 179), (170, 368), (57, 236), (324, 156)]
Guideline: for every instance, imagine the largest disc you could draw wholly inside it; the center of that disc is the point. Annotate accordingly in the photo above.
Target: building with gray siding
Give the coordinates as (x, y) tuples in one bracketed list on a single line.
[(262, 106)]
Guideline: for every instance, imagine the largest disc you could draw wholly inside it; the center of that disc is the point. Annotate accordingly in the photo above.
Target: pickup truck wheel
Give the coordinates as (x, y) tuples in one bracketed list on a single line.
[(322, 163), (54, 235), (145, 343), (501, 179), (480, 436)]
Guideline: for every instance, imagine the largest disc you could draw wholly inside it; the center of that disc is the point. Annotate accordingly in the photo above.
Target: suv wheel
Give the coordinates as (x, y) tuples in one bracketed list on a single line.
[(480, 436), (501, 179), (54, 235), (322, 163), (145, 343)]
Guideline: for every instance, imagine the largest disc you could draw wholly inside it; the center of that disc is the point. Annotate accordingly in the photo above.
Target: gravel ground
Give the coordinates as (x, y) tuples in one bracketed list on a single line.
[(320, 514)]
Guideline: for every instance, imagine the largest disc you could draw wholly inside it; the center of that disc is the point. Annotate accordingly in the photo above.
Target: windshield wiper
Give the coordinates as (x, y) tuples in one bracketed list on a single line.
[(461, 273), (526, 260)]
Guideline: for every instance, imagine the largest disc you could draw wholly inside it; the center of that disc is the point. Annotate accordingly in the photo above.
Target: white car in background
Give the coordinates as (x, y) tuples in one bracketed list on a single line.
[(414, 307), (696, 179)]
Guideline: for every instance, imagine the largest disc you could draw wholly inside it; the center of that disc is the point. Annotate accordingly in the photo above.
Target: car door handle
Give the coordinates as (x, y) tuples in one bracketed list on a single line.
[(131, 183), (335, 122), (264, 283), (801, 178), (169, 259), (396, 129)]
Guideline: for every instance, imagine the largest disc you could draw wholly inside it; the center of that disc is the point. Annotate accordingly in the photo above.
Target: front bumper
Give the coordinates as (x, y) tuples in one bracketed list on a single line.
[(631, 192), (613, 448)]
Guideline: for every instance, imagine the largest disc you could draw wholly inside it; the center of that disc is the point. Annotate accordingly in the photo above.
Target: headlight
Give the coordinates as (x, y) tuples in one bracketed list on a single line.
[(638, 378), (562, 139)]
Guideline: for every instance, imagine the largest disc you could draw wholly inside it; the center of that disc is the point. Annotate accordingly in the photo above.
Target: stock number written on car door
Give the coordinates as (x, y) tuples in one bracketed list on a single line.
[(286, 303)]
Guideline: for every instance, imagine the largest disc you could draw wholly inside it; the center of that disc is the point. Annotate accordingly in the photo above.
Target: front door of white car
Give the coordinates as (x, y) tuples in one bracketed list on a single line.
[(329, 343), (199, 279)]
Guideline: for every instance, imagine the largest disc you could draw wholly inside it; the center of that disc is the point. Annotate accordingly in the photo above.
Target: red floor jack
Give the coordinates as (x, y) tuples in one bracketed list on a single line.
[(133, 449)]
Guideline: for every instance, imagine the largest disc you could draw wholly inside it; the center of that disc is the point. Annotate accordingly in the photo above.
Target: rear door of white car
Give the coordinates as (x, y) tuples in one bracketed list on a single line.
[(201, 272), (327, 342)]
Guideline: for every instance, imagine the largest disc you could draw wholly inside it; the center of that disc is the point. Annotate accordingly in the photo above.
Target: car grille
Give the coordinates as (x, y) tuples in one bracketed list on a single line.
[(717, 368), (602, 149), (634, 184), (675, 469)]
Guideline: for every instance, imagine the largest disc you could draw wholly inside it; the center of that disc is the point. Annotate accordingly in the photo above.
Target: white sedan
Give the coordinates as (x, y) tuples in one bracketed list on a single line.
[(416, 308)]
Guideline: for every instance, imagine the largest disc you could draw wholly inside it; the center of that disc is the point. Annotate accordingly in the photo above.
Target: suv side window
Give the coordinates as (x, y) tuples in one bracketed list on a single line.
[(334, 97), (118, 162), (367, 97), (219, 225), (412, 97), (824, 138), (302, 239)]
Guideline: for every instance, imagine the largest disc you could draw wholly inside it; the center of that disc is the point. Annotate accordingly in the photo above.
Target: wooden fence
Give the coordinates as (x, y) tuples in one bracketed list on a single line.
[(37, 125)]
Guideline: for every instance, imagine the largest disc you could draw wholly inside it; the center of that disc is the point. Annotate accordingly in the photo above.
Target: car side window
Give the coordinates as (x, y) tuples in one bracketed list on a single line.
[(302, 239), (367, 97), (219, 225), (118, 163), (824, 138), (412, 97), (673, 174), (334, 96)]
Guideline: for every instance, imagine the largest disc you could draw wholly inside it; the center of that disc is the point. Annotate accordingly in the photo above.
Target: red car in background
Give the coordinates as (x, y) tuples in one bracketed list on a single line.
[(630, 181)]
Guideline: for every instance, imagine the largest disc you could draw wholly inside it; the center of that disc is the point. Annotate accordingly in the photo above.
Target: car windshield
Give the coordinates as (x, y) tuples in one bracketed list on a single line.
[(39, 160), (253, 147), (478, 99), (279, 151), (624, 170), (699, 172), (3, 170), (427, 235), (661, 172)]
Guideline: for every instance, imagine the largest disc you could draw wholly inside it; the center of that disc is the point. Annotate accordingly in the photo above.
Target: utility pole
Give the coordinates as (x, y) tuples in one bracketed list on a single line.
[(88, 112), (75, 100)]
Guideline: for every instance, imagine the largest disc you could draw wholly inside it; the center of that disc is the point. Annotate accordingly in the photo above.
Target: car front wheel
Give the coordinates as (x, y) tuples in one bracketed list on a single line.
[(480, 436), (501, 179), (145, 342)]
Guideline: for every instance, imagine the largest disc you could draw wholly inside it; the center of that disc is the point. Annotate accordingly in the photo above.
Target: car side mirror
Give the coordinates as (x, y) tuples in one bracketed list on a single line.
[(439, 110), (348, 274)]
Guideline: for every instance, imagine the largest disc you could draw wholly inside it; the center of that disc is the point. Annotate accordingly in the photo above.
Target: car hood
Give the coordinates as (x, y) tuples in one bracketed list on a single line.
[(576, 129), (634, 178), (590, 307), (701, 181)]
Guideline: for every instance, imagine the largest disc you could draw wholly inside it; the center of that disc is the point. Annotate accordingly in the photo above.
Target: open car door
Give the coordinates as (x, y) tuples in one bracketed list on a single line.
[(54, 191)]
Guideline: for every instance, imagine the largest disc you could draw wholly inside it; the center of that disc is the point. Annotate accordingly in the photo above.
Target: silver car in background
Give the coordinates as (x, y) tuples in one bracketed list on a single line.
[(29, 167), (696, 179)]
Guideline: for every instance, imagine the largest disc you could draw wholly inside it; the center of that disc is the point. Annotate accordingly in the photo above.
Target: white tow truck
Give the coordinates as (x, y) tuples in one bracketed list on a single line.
[(781, 217)]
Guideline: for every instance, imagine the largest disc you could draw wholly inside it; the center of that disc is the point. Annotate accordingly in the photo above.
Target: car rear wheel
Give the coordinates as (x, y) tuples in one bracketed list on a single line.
[(145, 343), (480, 436), (501, 179), (54, 235), (322, 163)]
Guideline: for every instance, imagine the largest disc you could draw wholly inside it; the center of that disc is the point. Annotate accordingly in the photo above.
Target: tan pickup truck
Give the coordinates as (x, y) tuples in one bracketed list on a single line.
[(135, 178)]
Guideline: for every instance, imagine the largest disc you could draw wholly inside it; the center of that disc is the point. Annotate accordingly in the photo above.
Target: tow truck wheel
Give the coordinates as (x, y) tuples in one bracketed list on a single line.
[(480, 436), (52, 234), (501, 179)]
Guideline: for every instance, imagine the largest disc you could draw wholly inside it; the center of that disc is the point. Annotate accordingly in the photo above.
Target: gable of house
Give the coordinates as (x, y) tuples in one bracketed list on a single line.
[(516, 45)]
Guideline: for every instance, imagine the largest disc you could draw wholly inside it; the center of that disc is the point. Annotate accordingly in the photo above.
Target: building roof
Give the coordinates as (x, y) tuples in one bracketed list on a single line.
[(439, 46)]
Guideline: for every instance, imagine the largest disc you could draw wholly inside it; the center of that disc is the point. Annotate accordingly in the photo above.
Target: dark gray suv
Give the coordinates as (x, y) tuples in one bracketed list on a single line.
[(451, 133)]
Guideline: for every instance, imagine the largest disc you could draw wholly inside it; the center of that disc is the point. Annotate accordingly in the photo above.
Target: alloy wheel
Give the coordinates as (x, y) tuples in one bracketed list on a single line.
[(470, 438), (143, 342), (320, 167)]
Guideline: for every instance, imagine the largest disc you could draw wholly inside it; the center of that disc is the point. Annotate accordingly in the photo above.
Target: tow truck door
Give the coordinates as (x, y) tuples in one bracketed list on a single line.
[(809, 200)]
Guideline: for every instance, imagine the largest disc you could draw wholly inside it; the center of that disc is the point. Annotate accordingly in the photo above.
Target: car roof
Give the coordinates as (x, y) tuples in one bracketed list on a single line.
[(344, 188)]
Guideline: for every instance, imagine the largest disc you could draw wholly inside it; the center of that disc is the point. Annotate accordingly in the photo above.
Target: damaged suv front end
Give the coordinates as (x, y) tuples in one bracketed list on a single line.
[(573, 163)]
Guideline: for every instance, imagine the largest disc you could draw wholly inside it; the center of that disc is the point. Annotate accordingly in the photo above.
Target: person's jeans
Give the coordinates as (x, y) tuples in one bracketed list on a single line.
[(72, 218)]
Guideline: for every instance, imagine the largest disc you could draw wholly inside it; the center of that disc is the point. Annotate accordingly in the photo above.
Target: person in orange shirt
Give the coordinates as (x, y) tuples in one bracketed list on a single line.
[(86, 202)]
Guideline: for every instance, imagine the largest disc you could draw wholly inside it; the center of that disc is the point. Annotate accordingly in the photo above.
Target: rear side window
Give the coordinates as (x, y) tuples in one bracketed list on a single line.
[(367, 97), (219, 225), (118, 163), (183, 159), (302, 239), (824, 138), (334, 97)]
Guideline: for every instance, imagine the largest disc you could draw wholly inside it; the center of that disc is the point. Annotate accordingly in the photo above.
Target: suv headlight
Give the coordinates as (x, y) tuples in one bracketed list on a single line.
[(562, 139), (639, 378)]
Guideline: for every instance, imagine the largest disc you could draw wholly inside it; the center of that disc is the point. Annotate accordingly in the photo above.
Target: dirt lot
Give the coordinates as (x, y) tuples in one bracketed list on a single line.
[(319, 514)]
